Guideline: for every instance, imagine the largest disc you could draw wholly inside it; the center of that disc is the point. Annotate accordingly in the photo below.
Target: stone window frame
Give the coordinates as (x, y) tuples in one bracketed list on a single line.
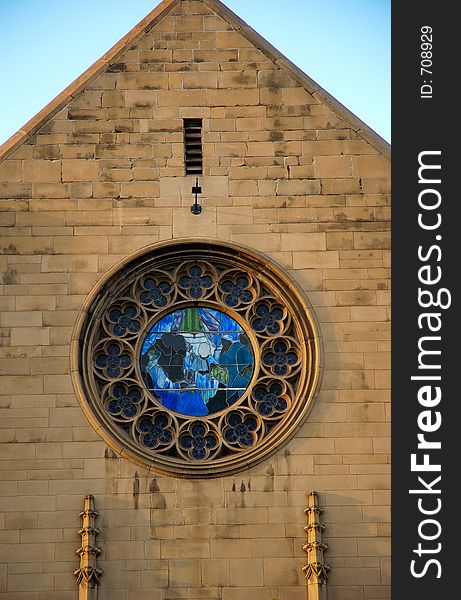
[(96, 344)]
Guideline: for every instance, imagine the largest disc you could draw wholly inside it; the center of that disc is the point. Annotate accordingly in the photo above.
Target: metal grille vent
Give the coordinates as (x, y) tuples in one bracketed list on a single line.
[(193, 146)]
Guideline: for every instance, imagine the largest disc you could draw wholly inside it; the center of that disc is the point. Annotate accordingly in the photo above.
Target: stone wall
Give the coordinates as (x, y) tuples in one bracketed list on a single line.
[(104, 177)]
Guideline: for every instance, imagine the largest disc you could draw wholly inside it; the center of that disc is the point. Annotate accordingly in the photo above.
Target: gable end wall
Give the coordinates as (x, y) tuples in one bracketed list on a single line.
[(104, 177)]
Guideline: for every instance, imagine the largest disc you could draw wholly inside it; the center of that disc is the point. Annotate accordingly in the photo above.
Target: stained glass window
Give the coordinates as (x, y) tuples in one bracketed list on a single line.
[(197, 361), (196, 358)]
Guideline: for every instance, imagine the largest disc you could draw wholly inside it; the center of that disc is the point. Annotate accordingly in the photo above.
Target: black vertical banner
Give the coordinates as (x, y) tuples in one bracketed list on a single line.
[(426, 248)]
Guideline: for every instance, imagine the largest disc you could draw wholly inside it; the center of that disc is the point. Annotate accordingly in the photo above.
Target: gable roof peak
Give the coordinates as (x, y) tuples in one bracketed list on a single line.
[(149, 21)]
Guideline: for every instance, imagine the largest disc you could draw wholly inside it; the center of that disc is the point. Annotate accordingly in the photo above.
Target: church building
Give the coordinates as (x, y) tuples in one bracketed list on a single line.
[(195, 329)]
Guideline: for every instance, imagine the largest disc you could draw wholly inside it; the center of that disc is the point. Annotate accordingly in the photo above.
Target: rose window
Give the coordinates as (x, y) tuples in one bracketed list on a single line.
[(196, 359)]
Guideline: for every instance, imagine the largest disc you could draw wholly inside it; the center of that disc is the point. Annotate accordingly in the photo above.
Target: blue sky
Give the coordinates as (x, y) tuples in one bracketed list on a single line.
[(344, 45)]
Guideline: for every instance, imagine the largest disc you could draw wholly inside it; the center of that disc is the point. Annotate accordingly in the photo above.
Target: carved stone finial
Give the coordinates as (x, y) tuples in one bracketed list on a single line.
[(315, 570), (88, 574)]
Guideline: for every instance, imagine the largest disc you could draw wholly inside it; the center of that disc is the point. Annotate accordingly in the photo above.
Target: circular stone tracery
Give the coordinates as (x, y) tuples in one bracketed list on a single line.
[(196, 359)]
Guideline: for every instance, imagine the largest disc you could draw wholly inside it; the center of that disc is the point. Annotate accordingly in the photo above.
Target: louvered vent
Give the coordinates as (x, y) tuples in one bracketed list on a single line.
[(193, 146)]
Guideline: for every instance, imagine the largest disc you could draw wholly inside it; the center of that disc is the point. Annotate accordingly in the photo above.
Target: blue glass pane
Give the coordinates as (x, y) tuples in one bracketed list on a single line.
[(211, 441), (186, 442), (129, 410), (166, 437), (197, 361), (145, 425), (230, 435), (198, 453), (246, 440)]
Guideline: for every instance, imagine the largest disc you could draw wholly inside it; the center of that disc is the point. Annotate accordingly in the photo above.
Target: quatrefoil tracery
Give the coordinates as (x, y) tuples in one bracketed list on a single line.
[(279, 356), (278, 384)]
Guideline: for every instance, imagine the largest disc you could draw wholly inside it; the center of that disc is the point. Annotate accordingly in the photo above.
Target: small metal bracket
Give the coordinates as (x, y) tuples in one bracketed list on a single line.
[(196, 209)]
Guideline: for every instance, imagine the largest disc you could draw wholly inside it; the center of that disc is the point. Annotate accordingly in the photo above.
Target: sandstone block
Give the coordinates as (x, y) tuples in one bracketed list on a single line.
[(82, 129), (374, 546), (313, 259), (188, 24), (29, 582), (184, 573), (140, 81), (36, 219), (363, 413), (141, 98), (87, 99), (15, 190), (21, 319), (134, 189), (304, 171), (30, 336), (193, 549), (260, 241), (355, 298), (370, 166), (372, 240), (381, 185), (339, 240), (322, 148), (341, 186), (332, 166), (41, 170), (114, 99), (277, 79), (232, 98), (243, 188), (215, 56), (11, 170), (260, 149), (237, 79), (81, 245), (183, 98), (80, 170), (282, 571), (200, 80), (299, 241), (215, 573), (246, 572), (297, 96), (298, 187), (248, 124), (255, 593), (231, 39)]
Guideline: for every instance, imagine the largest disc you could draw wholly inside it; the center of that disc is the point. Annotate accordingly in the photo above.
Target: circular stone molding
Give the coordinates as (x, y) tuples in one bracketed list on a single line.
[(196, 359)]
